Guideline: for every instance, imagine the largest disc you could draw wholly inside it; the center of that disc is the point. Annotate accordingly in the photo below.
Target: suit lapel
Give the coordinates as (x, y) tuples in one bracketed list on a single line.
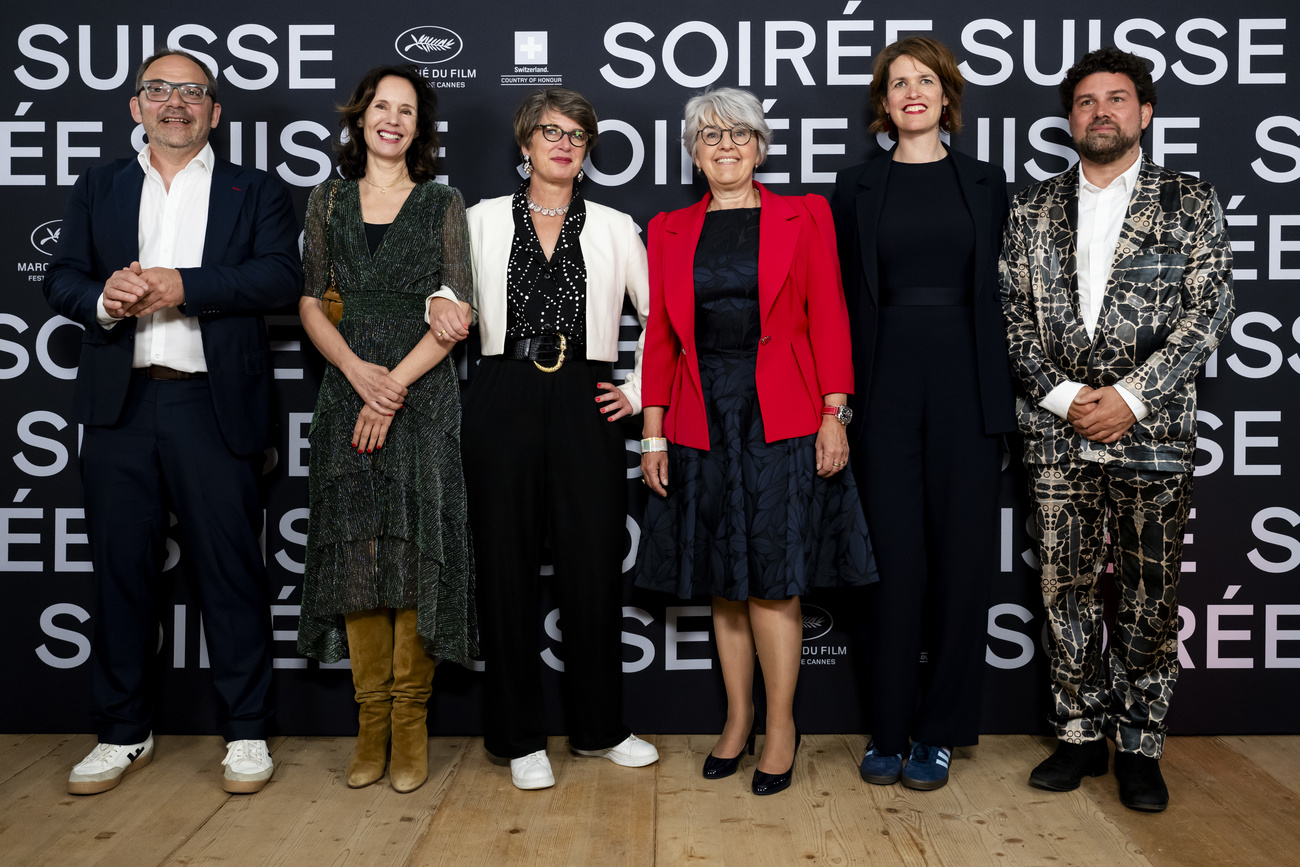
[(871, 200), (224, 200), (129, 187), (1143, 207), (778, 232), (975, 191), (681, 237)]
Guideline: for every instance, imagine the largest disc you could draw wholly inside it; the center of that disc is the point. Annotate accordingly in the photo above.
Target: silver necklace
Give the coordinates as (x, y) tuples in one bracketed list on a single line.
[(549, 212)]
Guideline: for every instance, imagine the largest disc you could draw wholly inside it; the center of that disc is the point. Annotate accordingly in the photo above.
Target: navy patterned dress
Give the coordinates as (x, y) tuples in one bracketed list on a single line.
[(746, 517)]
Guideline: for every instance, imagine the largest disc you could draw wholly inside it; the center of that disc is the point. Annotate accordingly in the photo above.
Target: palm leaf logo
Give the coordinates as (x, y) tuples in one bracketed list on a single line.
[(430, 45)]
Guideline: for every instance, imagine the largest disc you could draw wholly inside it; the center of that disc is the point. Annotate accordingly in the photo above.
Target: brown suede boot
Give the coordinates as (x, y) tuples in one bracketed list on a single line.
[(370, 646), (412, 686)]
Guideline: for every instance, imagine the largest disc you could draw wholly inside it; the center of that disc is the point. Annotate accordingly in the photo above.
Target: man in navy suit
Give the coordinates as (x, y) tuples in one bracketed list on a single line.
[(168, 259)]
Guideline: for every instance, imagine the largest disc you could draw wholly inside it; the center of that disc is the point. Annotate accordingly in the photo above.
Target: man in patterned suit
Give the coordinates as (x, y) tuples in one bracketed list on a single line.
[(1117, 285)]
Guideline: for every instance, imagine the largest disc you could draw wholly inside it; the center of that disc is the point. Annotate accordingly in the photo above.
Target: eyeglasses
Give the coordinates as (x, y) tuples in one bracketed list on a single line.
[(158, 90), (551, 132), (740, 135)]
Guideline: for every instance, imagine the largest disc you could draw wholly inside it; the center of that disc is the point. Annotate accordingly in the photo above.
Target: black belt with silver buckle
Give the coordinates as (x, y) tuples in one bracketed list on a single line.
[(547, 352), (166, 374)]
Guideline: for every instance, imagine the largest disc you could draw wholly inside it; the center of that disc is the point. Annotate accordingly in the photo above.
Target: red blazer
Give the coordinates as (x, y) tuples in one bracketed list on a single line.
[(804, 350)]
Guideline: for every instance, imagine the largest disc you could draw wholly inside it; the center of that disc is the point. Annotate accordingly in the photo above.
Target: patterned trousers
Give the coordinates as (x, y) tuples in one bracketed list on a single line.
[(1075, 504)]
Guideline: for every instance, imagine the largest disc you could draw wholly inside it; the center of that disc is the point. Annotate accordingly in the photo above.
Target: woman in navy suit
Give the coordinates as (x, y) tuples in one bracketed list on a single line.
[(918, 232)]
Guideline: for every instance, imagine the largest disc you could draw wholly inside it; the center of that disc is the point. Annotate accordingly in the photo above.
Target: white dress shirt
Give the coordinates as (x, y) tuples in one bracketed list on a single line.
[(1101, 217), (172, 228)]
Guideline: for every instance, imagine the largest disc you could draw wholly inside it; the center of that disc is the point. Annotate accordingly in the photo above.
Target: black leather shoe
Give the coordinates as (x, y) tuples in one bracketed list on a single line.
[(1064, 769), (716, 768), (770, 784), (1141, 785)]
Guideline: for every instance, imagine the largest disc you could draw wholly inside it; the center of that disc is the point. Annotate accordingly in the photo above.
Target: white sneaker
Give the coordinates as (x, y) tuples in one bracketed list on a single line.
[(248, 767), (631, 753), (104, 768), (532, 771)]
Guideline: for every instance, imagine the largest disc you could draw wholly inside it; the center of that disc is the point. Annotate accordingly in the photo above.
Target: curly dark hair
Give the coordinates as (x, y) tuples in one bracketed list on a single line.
[(1108, 59), (422, 155)]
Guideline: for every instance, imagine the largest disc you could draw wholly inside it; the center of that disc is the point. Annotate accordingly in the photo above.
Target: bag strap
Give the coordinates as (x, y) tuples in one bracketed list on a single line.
[(329, 213)]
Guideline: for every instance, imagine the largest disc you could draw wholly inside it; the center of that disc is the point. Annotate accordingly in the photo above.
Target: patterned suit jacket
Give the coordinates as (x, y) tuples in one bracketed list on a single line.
[(1168, 303)]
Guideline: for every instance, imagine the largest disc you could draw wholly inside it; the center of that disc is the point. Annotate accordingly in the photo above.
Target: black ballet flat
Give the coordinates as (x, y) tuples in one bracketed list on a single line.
[(716, 768), (770, 784)]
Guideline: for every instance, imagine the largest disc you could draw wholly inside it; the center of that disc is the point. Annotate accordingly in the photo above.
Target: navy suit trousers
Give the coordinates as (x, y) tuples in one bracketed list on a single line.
[(167, 450)]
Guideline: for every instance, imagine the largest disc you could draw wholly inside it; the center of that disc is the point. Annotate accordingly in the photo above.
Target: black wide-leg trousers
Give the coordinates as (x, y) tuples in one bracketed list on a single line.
[(929, 474), (541, 461), (167, 447)]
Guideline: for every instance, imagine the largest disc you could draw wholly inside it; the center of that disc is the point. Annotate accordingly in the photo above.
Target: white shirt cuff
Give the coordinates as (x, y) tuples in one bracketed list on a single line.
[(444, 292), (101, 313), (1134, 402), (1058, 400)]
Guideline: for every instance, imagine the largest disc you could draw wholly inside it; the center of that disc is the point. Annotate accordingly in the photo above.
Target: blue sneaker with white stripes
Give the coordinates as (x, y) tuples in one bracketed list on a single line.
[(879, 768), (927, 767)]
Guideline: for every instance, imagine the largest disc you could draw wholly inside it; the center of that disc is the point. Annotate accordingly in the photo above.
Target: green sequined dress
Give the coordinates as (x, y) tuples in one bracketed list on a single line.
[(388, 529)]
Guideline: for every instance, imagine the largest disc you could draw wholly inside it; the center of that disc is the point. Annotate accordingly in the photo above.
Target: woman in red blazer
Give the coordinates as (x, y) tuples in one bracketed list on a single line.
[(746, 373)]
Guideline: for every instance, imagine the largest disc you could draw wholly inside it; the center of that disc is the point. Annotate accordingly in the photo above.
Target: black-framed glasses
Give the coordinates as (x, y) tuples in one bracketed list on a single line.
[(577, 137), (712, 135), (157, 90)]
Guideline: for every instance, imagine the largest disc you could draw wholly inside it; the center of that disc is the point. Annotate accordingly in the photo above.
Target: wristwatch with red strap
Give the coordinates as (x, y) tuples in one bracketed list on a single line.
[(842, 414)]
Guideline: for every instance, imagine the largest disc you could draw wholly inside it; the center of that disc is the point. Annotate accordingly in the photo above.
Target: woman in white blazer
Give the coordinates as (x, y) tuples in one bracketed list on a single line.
[(542, 459)]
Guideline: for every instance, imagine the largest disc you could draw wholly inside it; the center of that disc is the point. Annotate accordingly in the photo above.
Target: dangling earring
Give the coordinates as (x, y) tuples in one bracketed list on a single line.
[(580, 174), (528, 164), (943, 118)]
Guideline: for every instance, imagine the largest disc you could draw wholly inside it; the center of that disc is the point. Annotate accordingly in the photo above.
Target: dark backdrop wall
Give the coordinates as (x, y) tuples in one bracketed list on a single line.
[(1227, 112)]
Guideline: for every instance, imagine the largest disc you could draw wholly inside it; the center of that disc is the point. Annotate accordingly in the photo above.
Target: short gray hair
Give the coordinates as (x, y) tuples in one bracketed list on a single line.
[(729, 106)]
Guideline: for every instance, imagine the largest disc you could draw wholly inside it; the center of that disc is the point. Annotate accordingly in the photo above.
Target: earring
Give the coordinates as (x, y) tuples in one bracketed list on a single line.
[(528, 164), (580, 175)]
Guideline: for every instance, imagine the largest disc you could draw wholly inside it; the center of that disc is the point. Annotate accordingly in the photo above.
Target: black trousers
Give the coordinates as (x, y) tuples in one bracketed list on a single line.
[(541, 461), (930, 478), (167, 447)]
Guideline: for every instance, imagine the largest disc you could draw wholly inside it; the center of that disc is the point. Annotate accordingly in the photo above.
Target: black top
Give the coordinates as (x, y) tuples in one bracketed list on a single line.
[(375, 235), (926, 237), (546, 297), (726, 283)]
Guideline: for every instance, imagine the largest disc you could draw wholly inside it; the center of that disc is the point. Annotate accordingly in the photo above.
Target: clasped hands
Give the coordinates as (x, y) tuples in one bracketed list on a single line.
[(1100, 414), (137, 291)]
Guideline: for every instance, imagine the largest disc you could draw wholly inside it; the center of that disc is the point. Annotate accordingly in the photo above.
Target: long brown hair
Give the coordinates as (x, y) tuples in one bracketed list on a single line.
[(422, 155)]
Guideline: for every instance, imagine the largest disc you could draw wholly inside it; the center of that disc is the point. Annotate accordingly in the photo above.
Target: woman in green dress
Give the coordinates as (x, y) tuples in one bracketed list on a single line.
[(389, 574)]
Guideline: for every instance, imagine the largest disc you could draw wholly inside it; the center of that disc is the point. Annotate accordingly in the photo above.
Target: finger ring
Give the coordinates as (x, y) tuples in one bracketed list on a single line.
[(442, 332)]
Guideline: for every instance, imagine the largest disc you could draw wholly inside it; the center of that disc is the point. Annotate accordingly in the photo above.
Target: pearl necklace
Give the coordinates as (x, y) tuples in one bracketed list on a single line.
[(549, 212)]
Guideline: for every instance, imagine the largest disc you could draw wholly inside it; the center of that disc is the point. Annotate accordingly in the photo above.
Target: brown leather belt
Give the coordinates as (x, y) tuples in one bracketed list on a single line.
[(167, 374)]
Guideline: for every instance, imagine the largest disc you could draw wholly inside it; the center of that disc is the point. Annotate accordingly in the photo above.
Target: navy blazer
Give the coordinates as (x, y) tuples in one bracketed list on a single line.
[(857, 203), (250, 265)]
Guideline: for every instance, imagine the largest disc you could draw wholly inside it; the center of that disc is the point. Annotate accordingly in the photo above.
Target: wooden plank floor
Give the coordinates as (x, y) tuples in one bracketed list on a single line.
[(1236, 800)]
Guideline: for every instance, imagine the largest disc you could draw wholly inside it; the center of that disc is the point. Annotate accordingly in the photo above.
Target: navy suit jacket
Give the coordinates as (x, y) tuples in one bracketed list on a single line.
[(857, 204), (250, 265)]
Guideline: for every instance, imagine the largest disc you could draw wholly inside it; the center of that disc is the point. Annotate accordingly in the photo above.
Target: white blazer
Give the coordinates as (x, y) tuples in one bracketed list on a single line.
[(616, 264)]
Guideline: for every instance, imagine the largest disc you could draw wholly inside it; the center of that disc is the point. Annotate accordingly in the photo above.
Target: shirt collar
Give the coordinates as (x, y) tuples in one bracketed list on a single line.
[(204, 159), (1124, 183)]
